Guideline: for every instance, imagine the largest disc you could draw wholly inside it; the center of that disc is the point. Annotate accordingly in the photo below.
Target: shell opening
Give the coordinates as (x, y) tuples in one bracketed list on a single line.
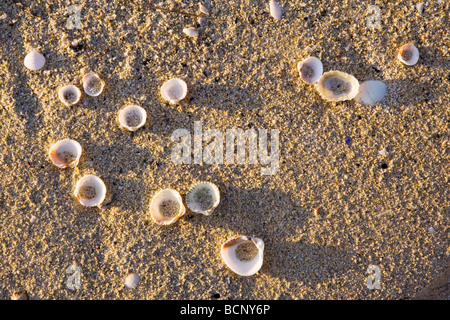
[(246, 251), (93, 84)]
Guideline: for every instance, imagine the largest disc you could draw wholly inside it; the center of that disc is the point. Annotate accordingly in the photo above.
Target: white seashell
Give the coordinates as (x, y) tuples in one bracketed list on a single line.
[(174, 90), (275, 10), (371, 92), (382, 152), (65, 153), (337, 86), (93, 84), (203, 198), (191, 32), (243, 255), (408, 54), (69, 95), (34, 60), (90, 190), (203, 9), (131, 281), (132, 117), (166, 207), (310, 69)]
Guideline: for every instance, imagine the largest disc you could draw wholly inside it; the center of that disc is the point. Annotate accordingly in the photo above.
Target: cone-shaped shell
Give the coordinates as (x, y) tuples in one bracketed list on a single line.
[(93, 84), (203, 198), (65, 153), (408, 54), (337, 86), (275, 10), (34, 60), (174, 90), (166, 207), (132, 117), (371, 92), (243, 255), (310, 69), (90, 190), (69, 95)]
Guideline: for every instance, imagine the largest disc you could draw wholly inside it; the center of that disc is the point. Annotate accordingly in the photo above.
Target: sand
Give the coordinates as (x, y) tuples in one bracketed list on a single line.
[(375, 210)]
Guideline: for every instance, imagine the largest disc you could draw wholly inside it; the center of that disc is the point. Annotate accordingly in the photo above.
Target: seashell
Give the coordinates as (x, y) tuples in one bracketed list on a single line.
[(191, 32), (93, 84), (131, 281), (166, 207), (65, 153), (132, 117), (310, 69), (34, 60), (90, 190), (174, 90), (201, 21), (243, 255), (371, 92), (275, 10), (337, 86), (69, 95), (203, 198), (408, 54), (20, 296), (202, 9)]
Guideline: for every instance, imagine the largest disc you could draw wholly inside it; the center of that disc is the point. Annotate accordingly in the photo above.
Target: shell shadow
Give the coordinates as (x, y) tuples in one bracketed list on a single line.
[(277, 218)]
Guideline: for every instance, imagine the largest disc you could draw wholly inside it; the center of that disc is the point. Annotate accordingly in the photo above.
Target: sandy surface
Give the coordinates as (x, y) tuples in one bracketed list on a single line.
[(241, 73)]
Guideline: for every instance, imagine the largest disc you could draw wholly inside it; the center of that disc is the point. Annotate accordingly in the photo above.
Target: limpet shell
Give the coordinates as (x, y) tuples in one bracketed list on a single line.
[(69, 95), (174, 90), (203, 198), (243, 255), (93, 84), (310, 69), (90, 190), (132, 117), (408, 54), (337, 86), (167, 207), (34, 60), (275, 10), (371, 92), (65, 153)]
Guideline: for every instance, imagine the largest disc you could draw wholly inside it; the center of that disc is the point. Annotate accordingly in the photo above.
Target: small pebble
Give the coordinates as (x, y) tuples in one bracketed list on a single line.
[(3, 16), (317, 212), (201, 21), (382, 152), (420, 7), (32, 219), (203, 9), (131, 281), (348, 141), (431, 230)]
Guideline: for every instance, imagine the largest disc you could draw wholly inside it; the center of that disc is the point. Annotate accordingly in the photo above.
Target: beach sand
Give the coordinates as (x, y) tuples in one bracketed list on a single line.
[(375, 210)]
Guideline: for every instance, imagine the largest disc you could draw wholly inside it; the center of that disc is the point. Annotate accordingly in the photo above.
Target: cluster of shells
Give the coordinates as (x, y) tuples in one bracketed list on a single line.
[(243, 254), (340, 86)]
